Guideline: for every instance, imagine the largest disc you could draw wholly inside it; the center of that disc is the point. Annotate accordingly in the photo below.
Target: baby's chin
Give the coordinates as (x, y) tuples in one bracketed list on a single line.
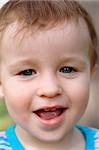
[(53, 137)]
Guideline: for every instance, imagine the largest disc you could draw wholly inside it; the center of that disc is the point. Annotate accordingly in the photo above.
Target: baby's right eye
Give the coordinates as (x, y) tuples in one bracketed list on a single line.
[(27, 72)]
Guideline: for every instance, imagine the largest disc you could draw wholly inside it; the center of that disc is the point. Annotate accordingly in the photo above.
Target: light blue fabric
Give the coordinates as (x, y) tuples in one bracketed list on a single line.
[(9, 140), (12, 138), (89, 135)]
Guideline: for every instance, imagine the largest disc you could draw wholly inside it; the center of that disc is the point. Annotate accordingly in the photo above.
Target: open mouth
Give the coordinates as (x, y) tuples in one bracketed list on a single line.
[(50, 112)]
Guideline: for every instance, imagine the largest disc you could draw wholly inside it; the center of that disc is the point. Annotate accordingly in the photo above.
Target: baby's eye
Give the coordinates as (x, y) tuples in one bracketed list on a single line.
[(27, 72), (67, 69)]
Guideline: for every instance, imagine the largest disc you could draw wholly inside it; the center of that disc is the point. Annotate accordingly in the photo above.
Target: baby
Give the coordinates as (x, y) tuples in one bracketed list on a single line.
[(47, 61)]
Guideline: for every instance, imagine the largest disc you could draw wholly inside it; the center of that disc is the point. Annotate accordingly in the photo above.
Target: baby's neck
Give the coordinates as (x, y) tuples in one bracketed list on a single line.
[(73, 141)]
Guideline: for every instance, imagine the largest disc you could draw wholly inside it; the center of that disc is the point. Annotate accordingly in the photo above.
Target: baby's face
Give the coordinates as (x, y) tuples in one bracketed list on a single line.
[(45, 79)]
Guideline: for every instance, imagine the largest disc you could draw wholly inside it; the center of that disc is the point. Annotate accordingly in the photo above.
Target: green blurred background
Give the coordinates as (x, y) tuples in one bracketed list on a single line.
[(5, 120)]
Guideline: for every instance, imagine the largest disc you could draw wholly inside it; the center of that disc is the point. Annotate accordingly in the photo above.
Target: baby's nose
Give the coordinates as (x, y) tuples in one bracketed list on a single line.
[(49, 88)]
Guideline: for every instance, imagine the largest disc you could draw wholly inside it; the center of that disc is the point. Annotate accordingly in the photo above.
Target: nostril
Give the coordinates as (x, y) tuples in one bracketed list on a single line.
[(43, 96)]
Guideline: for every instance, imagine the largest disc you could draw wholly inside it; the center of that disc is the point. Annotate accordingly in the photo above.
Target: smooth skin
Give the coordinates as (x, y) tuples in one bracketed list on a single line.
[(47, 68)]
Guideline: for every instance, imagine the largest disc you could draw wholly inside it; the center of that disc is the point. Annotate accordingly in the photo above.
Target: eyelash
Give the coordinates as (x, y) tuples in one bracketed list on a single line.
[(31, 72), (27, 72), (67, 69)]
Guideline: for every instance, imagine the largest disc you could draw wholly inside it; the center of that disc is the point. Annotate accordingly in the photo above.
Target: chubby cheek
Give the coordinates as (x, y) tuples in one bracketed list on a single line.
[(18, 99), (78, 94)]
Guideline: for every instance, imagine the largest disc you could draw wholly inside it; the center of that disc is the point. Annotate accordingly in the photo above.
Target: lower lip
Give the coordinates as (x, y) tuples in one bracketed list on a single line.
[(52, 122)]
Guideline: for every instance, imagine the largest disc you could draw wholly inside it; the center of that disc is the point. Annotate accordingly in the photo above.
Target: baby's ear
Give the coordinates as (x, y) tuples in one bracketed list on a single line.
[(94, 69)]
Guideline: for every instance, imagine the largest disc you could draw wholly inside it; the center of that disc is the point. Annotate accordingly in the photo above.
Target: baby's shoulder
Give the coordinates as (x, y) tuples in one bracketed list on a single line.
[(4, 143), (91, 136), (96, 137)]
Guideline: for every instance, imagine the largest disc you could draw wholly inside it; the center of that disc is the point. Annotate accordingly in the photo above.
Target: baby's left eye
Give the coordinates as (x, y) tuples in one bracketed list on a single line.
[(67, 69)]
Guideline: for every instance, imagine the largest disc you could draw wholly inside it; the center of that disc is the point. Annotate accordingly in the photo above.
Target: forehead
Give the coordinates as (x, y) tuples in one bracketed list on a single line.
[(66, 33)]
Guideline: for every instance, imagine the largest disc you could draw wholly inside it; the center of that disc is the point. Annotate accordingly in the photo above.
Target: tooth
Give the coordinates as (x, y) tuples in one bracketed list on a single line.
[(50, 109), (47, 109), (53, 109)]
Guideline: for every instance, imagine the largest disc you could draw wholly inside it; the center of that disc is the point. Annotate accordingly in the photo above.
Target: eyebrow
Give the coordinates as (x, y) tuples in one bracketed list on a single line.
[(20, 63), (73, 59), (33, 62)]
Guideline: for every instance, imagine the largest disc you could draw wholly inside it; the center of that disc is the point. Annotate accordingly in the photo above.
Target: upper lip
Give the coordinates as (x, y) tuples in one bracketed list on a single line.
[(48, 108)]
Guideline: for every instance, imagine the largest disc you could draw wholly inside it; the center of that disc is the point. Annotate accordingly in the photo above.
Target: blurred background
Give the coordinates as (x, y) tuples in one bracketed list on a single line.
[(91, 116)]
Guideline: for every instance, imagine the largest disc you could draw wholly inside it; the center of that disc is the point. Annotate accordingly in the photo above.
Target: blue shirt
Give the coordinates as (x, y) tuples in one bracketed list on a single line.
[(9, 140)]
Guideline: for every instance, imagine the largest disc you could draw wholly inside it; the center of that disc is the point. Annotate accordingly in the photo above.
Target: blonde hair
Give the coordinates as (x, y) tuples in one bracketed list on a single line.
[(47, 13)]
